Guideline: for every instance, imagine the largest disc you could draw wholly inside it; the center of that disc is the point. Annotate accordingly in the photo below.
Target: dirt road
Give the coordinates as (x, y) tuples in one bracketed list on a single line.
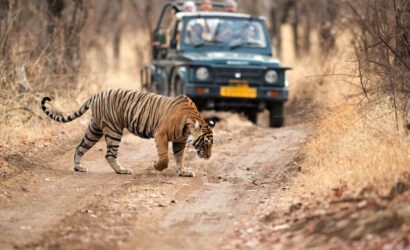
[(50, 206)]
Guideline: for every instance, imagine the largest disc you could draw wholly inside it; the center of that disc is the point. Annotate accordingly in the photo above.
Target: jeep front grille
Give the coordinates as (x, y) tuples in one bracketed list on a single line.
[(253, 76)]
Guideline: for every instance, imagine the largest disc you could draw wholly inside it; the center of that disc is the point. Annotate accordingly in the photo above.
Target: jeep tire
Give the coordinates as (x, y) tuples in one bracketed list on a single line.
[(176, 88), (276, 115)]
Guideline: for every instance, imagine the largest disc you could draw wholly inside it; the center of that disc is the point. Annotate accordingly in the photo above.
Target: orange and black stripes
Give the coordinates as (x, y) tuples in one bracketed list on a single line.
[(69, 117), (143, 114)]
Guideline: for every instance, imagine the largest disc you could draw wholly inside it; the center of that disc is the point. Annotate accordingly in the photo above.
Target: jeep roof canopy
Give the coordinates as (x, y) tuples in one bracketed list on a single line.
[(177, 6), (179, 15)]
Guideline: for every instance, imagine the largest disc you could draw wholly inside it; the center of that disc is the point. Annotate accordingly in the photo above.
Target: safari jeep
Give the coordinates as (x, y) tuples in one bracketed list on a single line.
[(222, 61)]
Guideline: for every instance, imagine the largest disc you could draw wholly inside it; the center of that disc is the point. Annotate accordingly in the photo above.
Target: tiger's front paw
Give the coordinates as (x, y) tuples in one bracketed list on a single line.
[(80, 169), (123, 171), (159, 166), (186, 174)]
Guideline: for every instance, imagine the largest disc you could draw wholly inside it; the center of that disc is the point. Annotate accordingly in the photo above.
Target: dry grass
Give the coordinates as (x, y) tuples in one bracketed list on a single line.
[(317, 83), (356, 142), (355, 148), (23, 122)]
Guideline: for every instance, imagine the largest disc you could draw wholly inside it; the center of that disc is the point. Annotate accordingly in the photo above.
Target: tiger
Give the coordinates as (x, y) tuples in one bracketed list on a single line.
[(147, 115)]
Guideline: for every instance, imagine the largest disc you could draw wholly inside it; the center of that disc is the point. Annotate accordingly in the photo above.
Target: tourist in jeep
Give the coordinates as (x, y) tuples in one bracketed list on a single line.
[(206, 5), (189, 6), (230, 6)]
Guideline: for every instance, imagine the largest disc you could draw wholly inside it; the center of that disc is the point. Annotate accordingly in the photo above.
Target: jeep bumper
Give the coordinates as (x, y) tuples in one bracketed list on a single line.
[(210, 96)]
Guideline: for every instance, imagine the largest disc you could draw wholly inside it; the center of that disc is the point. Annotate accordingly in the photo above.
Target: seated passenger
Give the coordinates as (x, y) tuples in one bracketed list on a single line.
[(227, 30), (195, 34), (249, 35)]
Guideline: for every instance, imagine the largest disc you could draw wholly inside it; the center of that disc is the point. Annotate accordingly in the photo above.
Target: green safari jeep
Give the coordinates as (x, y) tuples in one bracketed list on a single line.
[(222, 61)]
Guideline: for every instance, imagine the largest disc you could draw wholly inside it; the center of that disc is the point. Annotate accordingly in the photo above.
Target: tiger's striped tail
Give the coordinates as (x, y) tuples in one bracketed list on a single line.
[(67, 118)]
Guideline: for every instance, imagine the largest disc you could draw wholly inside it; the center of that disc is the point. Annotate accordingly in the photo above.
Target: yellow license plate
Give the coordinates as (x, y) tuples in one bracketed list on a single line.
[(238, 91)]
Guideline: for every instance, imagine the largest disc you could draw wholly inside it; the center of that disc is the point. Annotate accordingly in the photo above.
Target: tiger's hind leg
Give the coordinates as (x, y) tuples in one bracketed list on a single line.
[(92, 136), (113, 140)]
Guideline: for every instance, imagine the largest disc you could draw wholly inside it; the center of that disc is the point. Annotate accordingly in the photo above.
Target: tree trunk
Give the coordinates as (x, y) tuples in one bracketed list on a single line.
[(403, 31), (7, 15), (72, 38), (307, 24), (275, 23), (55, 9), (4, 6), (295, 25), (327, 40), (117, 21)]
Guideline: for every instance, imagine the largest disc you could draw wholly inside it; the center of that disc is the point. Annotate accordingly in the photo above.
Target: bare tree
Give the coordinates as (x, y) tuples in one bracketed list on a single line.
[(328, 16), (66, 19), (73, 25), (7, 13), (283, 11), (275, 24), (117, 22), (383, 35), (55, 9), (402, 8)]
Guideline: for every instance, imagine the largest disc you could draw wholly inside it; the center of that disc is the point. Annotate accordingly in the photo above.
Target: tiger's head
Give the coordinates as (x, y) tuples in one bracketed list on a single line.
[(202, 138)]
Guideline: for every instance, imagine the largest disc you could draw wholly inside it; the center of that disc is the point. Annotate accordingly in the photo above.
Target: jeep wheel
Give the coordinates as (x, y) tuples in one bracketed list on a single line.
[(252, 115), (276, 115), (176, 88)]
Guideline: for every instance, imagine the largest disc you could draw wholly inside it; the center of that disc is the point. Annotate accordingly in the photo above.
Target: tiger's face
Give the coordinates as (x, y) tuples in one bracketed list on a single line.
[(201, 137)]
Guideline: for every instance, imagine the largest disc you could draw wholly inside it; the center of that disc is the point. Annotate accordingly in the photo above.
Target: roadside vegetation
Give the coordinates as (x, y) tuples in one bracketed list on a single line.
[(361, 98), (65, 50)]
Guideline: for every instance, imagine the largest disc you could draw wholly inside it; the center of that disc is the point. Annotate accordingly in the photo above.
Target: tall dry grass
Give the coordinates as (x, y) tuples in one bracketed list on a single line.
[(22, 120), (355, 146), (359, 138)]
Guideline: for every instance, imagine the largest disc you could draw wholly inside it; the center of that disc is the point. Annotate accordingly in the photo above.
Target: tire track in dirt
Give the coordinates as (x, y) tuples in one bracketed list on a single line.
[(241, 174)]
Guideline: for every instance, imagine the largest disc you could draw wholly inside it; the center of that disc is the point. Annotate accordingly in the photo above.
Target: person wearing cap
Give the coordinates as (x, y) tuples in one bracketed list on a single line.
[(230, 6), (189, 6)]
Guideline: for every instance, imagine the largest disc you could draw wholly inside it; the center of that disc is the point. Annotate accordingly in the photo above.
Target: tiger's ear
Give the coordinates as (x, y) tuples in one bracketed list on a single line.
[(194, 127), (197, 127)]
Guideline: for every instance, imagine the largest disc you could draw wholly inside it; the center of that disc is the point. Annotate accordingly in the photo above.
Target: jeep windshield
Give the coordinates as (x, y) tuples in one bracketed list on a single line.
[(224, 33)]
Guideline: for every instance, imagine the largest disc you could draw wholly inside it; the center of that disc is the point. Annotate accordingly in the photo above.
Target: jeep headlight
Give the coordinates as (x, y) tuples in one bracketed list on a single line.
[(202, 73), (271, 76)]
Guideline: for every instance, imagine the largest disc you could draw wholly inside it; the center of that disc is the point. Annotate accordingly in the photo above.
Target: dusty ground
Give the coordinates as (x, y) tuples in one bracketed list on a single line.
[(48, 205)]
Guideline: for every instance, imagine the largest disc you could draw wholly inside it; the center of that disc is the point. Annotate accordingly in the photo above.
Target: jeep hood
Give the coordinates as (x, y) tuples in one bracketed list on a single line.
[(230, 58)]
